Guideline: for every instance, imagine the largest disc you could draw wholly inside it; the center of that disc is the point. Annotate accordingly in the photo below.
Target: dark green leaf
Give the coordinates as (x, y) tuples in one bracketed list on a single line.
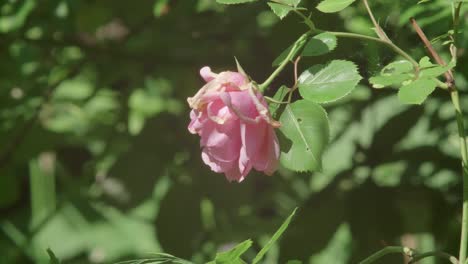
[(320, 44)]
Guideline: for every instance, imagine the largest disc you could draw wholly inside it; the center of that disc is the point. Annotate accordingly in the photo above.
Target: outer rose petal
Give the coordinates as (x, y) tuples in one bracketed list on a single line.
[(268, 155), (207, 74), (197, 120), (234, 137), (233, 78), (216, 165)]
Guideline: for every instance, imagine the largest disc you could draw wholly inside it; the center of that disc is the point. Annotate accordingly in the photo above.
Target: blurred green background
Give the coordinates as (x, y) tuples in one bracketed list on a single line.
[(96, 162)]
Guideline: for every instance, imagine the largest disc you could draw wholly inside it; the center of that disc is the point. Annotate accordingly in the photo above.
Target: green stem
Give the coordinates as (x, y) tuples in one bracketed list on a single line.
[(385, 42), (300, 42), (464, 157), (307, 20), (386, 251), (439, 254)]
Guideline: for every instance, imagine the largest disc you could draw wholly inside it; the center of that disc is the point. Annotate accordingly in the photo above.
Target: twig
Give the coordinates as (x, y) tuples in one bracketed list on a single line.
[(448, 74), (380, 31)]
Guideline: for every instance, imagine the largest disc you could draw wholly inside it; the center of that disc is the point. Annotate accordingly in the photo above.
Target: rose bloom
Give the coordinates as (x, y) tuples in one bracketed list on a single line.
[(236, 129)]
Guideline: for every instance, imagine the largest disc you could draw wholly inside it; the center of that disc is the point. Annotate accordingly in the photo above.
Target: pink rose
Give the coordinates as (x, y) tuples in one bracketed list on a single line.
[(236, 129)]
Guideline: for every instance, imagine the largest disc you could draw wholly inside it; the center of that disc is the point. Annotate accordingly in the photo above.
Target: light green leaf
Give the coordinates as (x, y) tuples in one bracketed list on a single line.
[(280, 10), (397, 67), (275, 237), (430, 70), (324, 84), (320, 44), (332, 6), (394, 74), (425, 62), (233, 255), (289, 2), (386, 81), (232, 2), (417, 91), (306, 125)]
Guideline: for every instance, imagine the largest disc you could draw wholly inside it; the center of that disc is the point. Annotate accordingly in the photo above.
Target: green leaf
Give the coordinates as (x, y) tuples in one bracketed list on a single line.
[(294, 261), (394, 74), (430, 70), (279, 96), (417, 91), (320, 44), (52, 258), (233, 255), (386, 81), (232, 2), (322, 84), (275, 237), (332, 6), (280, 10), (397, 67), (306, 125), (289, 2)]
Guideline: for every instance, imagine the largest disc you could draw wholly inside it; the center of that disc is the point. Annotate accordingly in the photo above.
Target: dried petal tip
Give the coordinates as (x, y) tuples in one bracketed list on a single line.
[(207, 74)]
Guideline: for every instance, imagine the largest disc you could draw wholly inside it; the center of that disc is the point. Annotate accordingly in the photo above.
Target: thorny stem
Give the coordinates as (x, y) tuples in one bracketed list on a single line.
[(386, 42), (448, 74), (378, 29), (385, 251), (300, 42), (307, 20)]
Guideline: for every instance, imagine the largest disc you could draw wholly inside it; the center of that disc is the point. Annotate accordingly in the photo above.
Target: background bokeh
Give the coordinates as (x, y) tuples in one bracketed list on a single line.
[(96, 162)]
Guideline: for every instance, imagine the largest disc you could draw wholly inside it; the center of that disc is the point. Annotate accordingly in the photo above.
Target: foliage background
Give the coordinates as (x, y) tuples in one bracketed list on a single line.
[(97, 164)]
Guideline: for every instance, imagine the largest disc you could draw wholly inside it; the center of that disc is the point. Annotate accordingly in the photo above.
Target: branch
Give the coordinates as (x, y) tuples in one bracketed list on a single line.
[(448, 74)]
